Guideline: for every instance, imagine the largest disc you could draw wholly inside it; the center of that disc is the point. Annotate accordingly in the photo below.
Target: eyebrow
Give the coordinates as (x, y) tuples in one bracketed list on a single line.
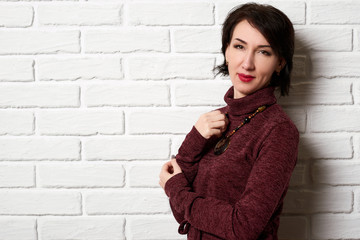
[(260, 46)]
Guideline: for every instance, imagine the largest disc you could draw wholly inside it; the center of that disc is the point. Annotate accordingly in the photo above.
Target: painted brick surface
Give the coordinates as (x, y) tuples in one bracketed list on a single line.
[(89, 228), (38, 95), (122, 94), (127, 40), (171, 67), (79, 14), (326, 226), (39, 41), (336, 172), (79, 68), (75, 122), (96, 95), (16, 15), (177, 13), (160, 121), (333, 12), (13, 228), (315, 201), (126, 148), (81, 175), (16, 70), (18, 175), (16, 122), (124, 201), (40, 202)]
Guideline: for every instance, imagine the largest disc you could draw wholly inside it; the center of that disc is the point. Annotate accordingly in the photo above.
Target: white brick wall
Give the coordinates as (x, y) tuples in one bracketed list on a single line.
[(96, 95)]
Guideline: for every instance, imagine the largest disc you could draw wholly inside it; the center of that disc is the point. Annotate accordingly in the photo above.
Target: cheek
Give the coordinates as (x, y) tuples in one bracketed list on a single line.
[(266, 68)]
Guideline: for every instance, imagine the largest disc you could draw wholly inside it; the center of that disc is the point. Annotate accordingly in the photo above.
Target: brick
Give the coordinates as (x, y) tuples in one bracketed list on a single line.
[(76, 68), (39, 95), (295, 10), (16, 15), (347, 115), (80, 122), (16, 122), (126, 202), (336, 172), (39, 148), (323, 39), (357, 39), (335, 64), (144, 175), (81, 175), (153, 227), (39, 202), (163, 121), (357, 201), (126, 148), (339, 226), (82, 228), (193, 13), (300, 66), (38, 42), (18, 175), (322, 91), (298, 116), (79, 14), (307, 201), (123, 94), (207, 40), (293, 227), (16, 70), (356, 93), (327, 146), (15, 228), (171, 67), (127, 40), (201, 94), (334, 12)]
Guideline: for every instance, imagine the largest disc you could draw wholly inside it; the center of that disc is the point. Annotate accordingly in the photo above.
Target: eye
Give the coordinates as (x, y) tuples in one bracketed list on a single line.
[(266, 53), (239, 46)]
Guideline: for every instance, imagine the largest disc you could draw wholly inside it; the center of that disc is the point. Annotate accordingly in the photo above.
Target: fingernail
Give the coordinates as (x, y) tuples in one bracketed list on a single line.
[(172, 156)]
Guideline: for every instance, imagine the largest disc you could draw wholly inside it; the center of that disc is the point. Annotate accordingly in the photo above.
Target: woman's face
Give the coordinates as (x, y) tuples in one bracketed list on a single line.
[(251, 60)]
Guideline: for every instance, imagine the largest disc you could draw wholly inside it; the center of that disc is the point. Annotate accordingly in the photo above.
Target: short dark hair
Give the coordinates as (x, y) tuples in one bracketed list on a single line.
[(277, 29)]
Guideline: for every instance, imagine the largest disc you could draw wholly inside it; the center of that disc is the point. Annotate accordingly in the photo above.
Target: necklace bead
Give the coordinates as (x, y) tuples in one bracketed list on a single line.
[(224, 142)]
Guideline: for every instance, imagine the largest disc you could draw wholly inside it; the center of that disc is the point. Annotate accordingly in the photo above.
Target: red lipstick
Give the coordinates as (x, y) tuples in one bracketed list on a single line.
[(245, 78)]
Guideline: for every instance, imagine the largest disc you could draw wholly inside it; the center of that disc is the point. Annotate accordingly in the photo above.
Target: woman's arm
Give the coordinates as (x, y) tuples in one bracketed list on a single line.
[(266, 186), (209, 124)]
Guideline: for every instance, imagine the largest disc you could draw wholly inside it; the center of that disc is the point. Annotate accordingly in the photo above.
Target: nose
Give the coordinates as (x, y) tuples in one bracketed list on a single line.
[(248, 62)]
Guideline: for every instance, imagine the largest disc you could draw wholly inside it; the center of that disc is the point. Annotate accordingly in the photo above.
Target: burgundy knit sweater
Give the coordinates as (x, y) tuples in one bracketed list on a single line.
[(239, 194)]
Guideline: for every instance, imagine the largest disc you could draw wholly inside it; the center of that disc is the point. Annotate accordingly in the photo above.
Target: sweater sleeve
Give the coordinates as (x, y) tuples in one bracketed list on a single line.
[(267, 184), (189, 153)]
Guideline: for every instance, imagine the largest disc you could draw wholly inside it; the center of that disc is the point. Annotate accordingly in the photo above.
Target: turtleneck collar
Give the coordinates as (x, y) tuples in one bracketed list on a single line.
[(249, 103)]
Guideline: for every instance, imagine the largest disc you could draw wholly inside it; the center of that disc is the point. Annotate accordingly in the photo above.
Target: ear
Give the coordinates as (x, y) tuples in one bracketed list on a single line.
[(281, 65)]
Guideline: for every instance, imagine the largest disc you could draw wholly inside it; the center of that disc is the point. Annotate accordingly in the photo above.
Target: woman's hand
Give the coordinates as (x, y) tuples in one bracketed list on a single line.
[(168, 170), (212, 123)]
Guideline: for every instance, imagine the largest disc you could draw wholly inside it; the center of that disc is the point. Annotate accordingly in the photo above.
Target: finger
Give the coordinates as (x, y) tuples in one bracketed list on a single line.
[(166, 167), (217, 124), (216, 132), (216, 115)]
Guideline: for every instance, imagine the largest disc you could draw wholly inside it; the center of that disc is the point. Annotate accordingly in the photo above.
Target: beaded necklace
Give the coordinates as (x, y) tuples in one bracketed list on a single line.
[(224, 142)]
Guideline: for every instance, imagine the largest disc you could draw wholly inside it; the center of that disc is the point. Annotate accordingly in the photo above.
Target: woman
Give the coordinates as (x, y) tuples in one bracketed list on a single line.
[(232, 171)]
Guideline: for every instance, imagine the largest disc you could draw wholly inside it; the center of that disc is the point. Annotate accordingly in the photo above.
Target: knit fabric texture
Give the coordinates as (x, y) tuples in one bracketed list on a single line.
[(238, 194)]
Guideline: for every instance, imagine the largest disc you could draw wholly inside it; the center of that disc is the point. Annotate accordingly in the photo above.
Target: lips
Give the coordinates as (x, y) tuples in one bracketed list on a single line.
[(245, 78)]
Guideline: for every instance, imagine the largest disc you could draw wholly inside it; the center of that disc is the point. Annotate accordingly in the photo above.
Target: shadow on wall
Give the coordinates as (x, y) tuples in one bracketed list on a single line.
[(304, 197)]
